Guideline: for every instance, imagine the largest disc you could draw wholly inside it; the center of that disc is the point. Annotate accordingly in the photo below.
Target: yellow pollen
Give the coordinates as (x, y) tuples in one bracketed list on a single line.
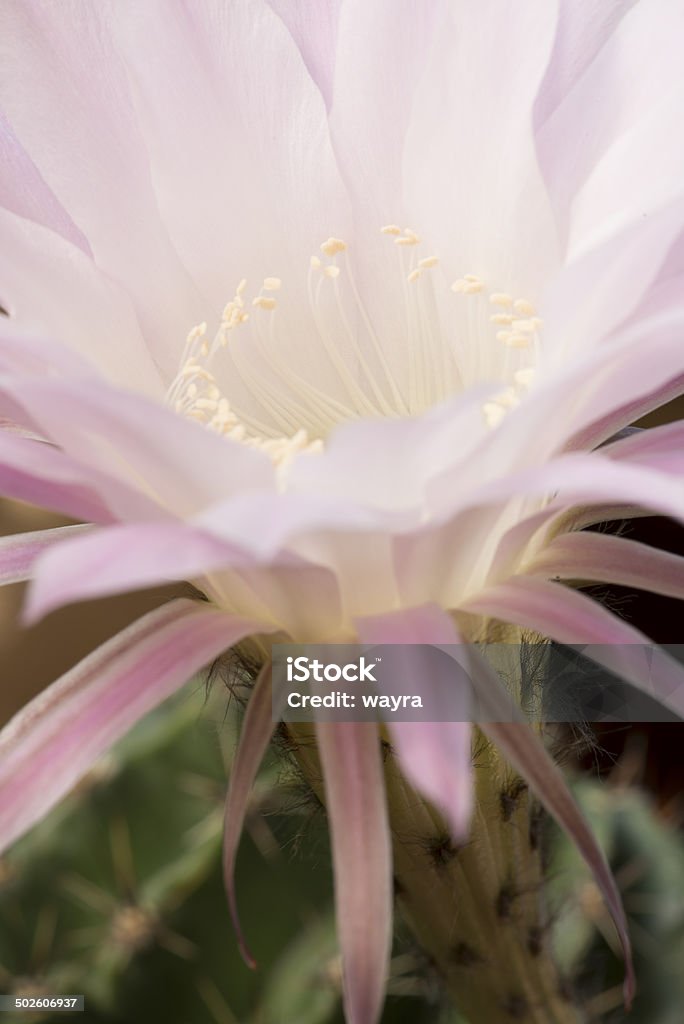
[(272, 284), (428, 261), (264, 302), (501, 299), (391, 229), (414, 275), (524, 307), (408, 238), (331, 271), (332, 246)]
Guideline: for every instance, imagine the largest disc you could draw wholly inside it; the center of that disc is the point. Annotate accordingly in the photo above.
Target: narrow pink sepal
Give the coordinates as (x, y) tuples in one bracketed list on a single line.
[(602, 557), (362, 856), (52, 742), (434, 756), (18, 554), (257, 730)]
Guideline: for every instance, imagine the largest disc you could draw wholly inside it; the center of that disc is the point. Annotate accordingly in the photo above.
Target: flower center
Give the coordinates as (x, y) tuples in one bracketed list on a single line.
[(454, 336)]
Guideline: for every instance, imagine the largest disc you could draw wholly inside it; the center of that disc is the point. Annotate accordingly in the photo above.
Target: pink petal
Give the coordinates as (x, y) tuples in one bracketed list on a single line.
[(660, 448), (528, 756), (166, 458), (456, 148), (582, 30), (598, 134), (601, 557), (56, 738), (357, 811), (24, 192), (18, 554), (256, 733), (314, 29), (42, 475), (269, 179), (120, 558), (434, 756), (51, 286), (66, 91), (569, 617)]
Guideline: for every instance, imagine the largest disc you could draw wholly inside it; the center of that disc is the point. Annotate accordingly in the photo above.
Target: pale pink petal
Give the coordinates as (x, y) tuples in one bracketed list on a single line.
[(314, 29), (255, 736), (18, 554), (56, 738), (120, 558), (659, 448), (171, 460), (471, 176), (597, 292), (601, 557), (607, 115), (40, 474), (382, 49), (267, 191), (66, 93), (24, 192), (582, 30), (434, 756), (526, 753), (569, 617), (50, 286), (362, 856)]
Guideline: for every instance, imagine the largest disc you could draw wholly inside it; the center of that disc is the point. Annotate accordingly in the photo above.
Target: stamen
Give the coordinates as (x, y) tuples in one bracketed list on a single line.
[(332, 246), (298, 414)]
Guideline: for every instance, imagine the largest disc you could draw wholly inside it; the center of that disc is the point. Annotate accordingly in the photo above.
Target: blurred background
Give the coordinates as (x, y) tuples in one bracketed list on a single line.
[(119, 894)]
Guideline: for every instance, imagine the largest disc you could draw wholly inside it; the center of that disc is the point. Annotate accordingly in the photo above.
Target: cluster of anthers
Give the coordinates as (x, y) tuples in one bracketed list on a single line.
[(196, 394)]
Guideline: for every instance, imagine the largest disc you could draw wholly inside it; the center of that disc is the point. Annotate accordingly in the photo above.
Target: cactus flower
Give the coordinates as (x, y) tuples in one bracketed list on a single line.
[(330, 310)]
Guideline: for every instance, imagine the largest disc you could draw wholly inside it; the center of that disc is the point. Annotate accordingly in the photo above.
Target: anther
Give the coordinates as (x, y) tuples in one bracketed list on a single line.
[(315, 263), (517, 341), (524, 307), (331, 271), (272, 284), (391, 229), (428, 261), (264, 302), (332, 246), (414, 275), (501, 299), (501, 318)]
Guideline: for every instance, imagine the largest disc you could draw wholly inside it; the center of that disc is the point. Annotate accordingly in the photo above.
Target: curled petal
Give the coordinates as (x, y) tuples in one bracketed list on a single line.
[(357, 809)]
